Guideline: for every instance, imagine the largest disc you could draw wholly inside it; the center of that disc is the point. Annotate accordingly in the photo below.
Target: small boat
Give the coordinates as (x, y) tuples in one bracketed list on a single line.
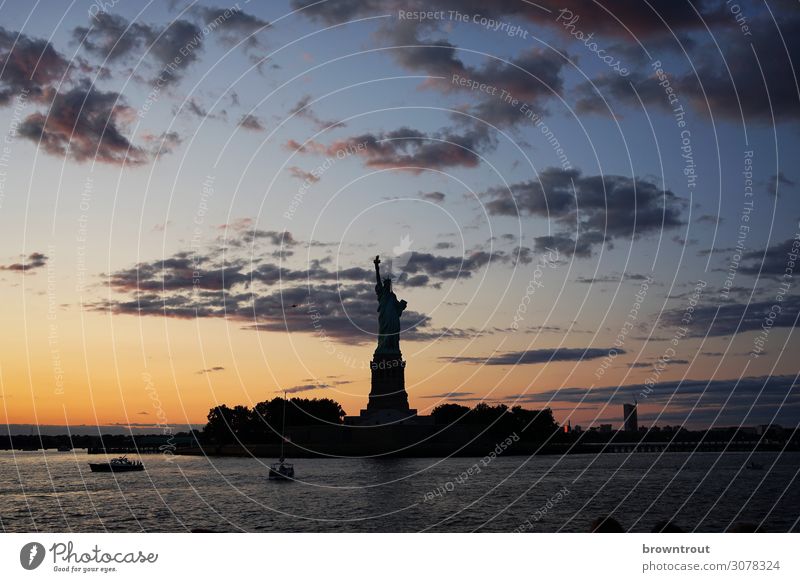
[(282, 471), (118, 465)]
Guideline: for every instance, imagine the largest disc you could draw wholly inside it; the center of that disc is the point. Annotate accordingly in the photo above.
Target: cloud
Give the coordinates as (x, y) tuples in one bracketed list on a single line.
[(251, 122), (603, 207), (211, 370), (165, 143), (194, 107), (731, 398), (531, 77), (34, 261), (303, 110), (772, 261), (304, 388), (171, 48), (640, 19), (635, 365), (733, 318), (232, 26), (247, 286), (83, 124), (539, 356), (456, 396), (411, 149), (301, 174), (31, 66), (709, 219), (729, 88), (611, 278), (437, 197), (776, 181)]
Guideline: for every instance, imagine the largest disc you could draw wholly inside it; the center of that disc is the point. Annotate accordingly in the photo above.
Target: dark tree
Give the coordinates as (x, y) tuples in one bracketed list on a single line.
[(449, 413), (226, 425)]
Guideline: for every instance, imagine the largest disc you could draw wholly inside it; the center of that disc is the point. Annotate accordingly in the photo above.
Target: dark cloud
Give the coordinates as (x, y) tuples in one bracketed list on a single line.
[(635, 365), (604, 207), (727, 88), (437, 197), (251, 122), (532, 77), (731, 318), (738, 401), (85, 123), (172, 48), (27, 65), (539, 356), (211, 370), (637, 18), (244, 284), (411, 149), (776, 94), (33, 261), (566, 245), (611, 278), (772, 261)]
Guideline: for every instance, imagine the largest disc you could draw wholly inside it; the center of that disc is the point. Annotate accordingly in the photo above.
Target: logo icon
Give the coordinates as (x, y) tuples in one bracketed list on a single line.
[(31, 555), (401, 255)]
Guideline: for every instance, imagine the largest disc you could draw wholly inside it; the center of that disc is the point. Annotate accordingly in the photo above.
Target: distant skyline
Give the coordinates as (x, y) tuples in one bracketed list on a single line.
[(579, 207)]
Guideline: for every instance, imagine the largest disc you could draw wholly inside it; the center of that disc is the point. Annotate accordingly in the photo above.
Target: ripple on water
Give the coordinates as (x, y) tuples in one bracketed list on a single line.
[(704, 491)]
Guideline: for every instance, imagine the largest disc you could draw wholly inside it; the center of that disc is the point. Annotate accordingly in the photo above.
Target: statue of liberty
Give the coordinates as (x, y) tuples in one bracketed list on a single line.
[(389, 312)]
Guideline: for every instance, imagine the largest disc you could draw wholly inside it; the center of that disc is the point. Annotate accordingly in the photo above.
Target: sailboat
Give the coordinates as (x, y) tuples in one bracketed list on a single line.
[(282, 470)]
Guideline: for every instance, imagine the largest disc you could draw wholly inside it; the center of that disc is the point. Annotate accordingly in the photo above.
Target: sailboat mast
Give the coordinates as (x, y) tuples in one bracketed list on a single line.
[(283, 426)]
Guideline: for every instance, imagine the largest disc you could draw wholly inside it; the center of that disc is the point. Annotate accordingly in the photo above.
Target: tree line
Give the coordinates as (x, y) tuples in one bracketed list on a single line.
[(499, 419), (262, 423)]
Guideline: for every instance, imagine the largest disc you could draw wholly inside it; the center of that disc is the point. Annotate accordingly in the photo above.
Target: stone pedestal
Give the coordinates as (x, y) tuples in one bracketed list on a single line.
[(388, 394)]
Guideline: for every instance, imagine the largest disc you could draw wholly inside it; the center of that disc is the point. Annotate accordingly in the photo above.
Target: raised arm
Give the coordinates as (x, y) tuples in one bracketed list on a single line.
[(377, 262)]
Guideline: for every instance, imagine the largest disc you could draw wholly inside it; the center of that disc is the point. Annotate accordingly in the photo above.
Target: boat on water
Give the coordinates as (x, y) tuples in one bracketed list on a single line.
[(117, 465), (282, 471)]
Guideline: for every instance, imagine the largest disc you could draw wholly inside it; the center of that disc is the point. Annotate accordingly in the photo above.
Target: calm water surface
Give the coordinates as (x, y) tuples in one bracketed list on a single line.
[(50, 491)]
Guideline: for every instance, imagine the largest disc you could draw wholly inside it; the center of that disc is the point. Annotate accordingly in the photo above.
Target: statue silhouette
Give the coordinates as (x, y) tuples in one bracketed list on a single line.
[(389, 312)]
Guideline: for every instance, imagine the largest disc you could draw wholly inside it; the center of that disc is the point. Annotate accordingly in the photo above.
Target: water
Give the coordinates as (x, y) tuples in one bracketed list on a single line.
[(50, 491)]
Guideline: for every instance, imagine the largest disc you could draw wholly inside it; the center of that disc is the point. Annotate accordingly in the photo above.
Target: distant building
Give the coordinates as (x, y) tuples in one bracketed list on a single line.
[(568, 427), (605, 428), (631, 420)]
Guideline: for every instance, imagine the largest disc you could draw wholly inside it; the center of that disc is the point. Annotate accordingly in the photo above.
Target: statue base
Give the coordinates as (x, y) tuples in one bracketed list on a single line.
[(388, 385)]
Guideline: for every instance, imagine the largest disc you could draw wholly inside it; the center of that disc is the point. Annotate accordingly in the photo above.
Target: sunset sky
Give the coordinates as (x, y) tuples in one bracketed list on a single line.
[(192, 195)]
